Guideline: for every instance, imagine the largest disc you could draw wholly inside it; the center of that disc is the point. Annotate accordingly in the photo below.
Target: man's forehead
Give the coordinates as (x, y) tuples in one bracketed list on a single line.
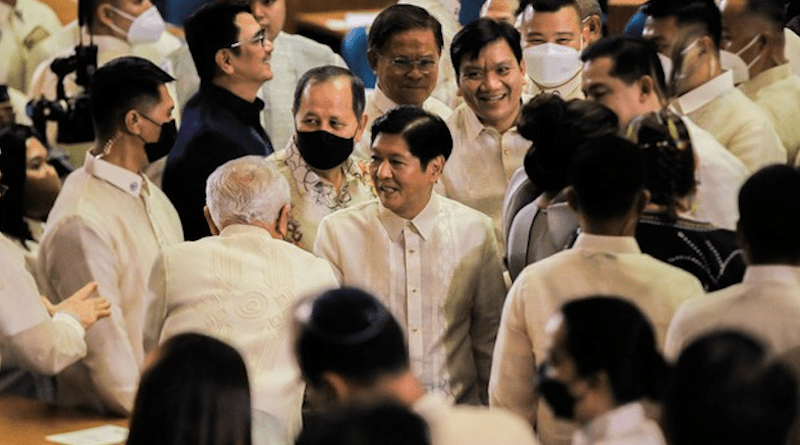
[(567, 17), (499, 50)]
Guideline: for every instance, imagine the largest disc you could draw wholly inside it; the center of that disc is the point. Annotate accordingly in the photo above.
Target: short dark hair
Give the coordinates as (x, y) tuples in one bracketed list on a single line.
[(349, 332), (383, 424), (426, 134), (725, 390), (4, 97), (704, 13), (549, 6), (196, 392), (121, 85), (401, 18), (474, 36), (611, 334), (557, 128), (632, 58), (13, 164), (607, 174), (769, 214), (209, 29), (772, 10), (328, 73)]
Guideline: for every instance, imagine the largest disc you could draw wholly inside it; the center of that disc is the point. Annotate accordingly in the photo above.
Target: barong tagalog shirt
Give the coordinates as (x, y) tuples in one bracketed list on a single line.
[(108, 225), (440, 276), (623, 425)]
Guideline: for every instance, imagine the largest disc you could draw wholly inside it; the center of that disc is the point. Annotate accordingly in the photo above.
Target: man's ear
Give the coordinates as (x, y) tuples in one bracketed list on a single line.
[(131, 120), (341, 390), (646, 88), (372, 57), (223, 59), (362, 125), (210, 221), (282, 221), (594, 30), (572, 198), (103, 14), (642, 200), (435, 167)]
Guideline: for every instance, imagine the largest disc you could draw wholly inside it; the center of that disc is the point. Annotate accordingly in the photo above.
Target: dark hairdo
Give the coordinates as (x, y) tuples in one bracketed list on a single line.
[(612, 335), (197, 392), (725, 390), (349, 332), (13, 164), (669, 158), (769, 214), (689, 12), (4, 97), (209, 29), (549, 6), (772, 10), (329, 73), (474, 36), (632, 58), (121, 85), (557, 128), (385, 424), (607, 174), (426, 134), (401, 18)]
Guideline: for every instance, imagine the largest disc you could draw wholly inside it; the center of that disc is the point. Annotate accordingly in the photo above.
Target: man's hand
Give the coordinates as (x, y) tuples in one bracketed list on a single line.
[(85, 309)]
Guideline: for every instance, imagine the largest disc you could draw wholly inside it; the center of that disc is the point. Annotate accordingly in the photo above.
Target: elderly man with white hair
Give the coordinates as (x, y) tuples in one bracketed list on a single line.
[(240, 285)]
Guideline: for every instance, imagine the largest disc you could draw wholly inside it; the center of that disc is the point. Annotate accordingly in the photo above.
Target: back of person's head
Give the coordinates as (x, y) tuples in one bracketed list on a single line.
[(769, 215), (13, 165), (608, 175), (669, 158), (425, 133), (612, 335), (702, 13), (474, 36), (589, 8), (726, 390), (196, 392), (120, 85), (557, 128), (209, 29), (400, 18), (551, 5), (384, 424), (774, 11), (348, 332), (632, 58), (328, 73), (246, 190)]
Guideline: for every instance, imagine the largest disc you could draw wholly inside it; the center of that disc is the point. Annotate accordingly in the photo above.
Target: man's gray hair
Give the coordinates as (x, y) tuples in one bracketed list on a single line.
[(245, 190), (589, 8)]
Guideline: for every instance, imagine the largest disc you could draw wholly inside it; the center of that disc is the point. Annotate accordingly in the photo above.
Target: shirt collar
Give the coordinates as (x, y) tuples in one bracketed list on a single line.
[(236, 229), (473, 126), (353, 169), (766, 78), (772, 272), (706, 92), (126, 180), (381, 100), (424, 222), (613, 423), (248, 112), (604, 243)]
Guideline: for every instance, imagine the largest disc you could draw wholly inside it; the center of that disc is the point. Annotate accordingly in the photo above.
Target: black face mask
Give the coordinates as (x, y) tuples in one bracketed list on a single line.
[(556, 395), (160, 148), (323, 150)]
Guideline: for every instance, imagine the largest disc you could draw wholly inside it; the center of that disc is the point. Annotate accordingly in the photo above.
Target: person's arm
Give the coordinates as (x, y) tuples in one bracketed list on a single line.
[(155, 305), (759, 145), (325, 246)]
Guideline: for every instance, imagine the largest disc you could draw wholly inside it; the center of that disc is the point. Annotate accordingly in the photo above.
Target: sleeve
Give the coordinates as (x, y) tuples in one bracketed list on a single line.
[(50, 346), (490, 291), (676, 335), (325, 247), (758, 147), (155, 305), (514, 364), (111, 361)]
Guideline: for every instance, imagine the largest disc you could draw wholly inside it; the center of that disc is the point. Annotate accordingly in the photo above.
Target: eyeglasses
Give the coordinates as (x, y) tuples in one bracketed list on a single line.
[(260, 37), (425, 65)]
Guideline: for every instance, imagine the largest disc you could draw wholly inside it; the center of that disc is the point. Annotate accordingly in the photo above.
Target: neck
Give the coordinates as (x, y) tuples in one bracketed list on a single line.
[(335, 176), (624, 226), (241, 89), (772, 58), (403, 388), (125, 151)]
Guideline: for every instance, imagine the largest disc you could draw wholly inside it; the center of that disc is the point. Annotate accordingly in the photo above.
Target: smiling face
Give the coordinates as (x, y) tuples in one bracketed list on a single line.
[(252, 62), (491, 85), (562, 27), (402, 84), (403, 186), (626, 101)]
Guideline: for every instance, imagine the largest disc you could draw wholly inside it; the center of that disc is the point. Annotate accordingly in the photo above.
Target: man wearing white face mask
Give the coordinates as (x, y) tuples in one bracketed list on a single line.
[(754, 29), (552, 37), (705, 93)]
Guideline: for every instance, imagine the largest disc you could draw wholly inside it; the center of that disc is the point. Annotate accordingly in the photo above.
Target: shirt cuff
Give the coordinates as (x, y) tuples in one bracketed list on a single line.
[(70, 320)]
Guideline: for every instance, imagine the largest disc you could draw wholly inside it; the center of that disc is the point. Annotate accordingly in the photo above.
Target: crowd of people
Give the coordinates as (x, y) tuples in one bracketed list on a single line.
[(529, 231)]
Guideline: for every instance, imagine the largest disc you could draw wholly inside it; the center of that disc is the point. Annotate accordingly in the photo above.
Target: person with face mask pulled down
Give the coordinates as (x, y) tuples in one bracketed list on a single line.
[(601, 363), (318, 162)]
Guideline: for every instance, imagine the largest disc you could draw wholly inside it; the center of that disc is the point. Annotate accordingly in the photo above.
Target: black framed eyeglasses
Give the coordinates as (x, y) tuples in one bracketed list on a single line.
[(260, 37)]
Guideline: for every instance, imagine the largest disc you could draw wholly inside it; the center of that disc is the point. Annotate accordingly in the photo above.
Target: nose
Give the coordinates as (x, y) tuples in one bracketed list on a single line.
[(491, 81), (384, 170), (268, 45), (415, 72)]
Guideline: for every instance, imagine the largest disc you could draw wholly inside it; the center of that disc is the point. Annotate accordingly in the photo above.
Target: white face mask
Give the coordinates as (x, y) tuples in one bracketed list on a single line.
[(551, 65), (146, 28), (733, 62), (666, 65)]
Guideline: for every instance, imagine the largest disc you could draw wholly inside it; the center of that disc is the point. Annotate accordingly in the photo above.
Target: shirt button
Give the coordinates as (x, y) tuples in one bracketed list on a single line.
[(414, 329), (134, 186), (413, 291), (410, 250), (507, 152)]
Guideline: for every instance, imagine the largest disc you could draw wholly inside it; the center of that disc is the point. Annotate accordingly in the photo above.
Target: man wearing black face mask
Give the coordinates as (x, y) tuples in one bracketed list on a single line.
[(318, 162), (108, 225)]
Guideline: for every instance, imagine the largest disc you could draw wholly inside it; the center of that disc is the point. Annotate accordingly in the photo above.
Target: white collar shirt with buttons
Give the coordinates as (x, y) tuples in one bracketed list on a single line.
[(482, 164), (107, 225), (440, 276), (596, 265), (734, 120), (22, 28), (623, 425)]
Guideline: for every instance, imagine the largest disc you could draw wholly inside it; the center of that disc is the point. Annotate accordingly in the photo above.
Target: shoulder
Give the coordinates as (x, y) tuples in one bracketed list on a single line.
[(361, 214), (472, 424), (466, 216)]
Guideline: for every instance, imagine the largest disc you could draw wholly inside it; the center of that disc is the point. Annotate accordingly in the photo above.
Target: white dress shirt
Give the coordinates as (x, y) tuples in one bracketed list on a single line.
[(792, 49), (777, 92), (22, 28), (482, 164), (471, 425), (596, 265), (313, 197), (28, 336), (735, 121), (720, 175), (440, 276), (766, 304), (623, 425), (240, 287), (107, 225), (570, 90)]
